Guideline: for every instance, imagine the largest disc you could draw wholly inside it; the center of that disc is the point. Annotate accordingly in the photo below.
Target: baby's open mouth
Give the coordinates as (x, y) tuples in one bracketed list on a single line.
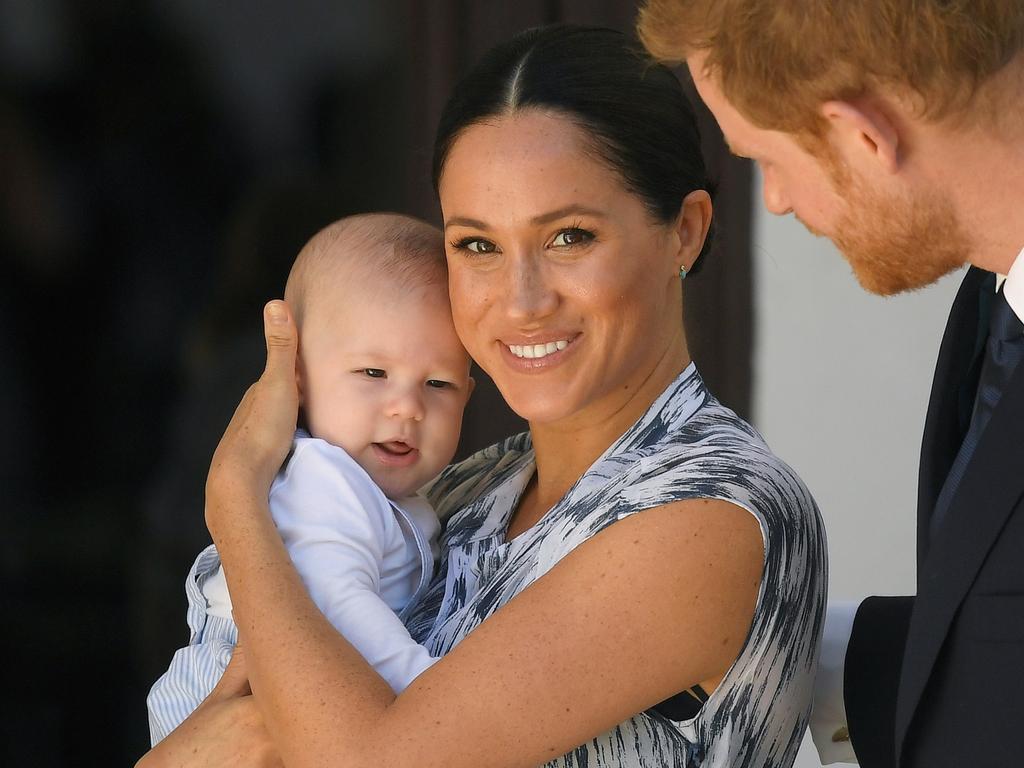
[(396, 447), (396, 453)]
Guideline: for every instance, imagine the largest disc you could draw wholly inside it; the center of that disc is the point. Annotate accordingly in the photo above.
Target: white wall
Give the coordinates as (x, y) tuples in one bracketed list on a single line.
[(841, 383)]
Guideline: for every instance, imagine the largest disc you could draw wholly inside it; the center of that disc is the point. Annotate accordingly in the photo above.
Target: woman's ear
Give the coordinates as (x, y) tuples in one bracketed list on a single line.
[(863, 126), (692, 227)]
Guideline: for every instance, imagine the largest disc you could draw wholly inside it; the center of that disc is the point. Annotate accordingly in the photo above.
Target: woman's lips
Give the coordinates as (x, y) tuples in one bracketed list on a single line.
[(538, 356), (395, 453)]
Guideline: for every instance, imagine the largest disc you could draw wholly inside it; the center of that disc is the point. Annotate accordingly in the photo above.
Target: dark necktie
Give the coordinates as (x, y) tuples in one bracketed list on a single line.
[(1003, 350)]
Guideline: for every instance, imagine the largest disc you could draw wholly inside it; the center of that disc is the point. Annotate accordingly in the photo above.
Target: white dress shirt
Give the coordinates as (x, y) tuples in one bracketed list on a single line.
[(1013, 286), (828, 724)]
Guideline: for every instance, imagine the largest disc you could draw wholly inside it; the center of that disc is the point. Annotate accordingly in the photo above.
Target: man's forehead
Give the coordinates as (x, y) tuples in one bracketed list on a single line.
[(707, 87), (732, 123)]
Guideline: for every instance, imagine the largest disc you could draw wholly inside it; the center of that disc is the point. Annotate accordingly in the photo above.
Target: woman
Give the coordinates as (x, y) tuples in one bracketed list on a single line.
[(637, 580)]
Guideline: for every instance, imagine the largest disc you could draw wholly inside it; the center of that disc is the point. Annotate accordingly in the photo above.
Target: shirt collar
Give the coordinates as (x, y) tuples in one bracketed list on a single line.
[(1013, 287)]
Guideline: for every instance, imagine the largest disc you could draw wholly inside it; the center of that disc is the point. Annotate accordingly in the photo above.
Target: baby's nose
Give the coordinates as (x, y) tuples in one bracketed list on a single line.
[(406, 404)]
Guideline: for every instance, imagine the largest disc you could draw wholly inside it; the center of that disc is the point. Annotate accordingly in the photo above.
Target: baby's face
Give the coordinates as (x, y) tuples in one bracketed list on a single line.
[(383, 375)]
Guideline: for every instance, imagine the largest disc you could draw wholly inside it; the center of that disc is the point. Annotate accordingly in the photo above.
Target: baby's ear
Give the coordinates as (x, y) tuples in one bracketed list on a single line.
[(470, 386), (299, 379)]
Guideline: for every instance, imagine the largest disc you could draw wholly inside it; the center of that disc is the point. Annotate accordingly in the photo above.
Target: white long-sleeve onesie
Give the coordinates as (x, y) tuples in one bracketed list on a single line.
[(362, 557)]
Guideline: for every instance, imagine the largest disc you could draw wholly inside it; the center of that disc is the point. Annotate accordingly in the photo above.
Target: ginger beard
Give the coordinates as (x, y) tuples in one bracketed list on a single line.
[(895, 243)]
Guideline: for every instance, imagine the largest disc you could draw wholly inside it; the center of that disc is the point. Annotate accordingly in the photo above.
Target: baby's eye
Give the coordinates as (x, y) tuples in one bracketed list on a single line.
[(438, 384), (374, 373), (572, 236), (475, 245)]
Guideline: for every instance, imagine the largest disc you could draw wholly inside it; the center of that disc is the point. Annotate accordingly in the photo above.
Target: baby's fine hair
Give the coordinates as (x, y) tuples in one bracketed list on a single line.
[(407, 251)]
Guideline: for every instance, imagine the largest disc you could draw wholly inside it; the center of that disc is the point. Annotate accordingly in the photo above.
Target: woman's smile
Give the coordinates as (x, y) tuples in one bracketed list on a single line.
[(538, 356)]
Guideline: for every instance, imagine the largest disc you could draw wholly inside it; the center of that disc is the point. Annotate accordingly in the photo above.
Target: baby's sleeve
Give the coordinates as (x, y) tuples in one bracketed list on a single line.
[(337, 527), (195, 669)]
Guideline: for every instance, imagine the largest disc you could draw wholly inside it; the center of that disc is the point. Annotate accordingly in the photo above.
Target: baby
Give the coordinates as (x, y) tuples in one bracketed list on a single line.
[(383, 381)]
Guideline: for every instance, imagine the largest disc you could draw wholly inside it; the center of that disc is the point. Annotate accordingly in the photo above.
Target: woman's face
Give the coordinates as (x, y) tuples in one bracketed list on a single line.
[(564, 288)]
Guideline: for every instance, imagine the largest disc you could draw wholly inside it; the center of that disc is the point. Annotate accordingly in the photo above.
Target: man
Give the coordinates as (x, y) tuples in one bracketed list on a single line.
[(896, 129)]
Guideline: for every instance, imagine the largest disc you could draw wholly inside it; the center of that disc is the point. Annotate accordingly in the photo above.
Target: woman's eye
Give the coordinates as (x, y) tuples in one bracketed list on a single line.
[(571, 237), (374, 373), (475, 245), (438, 384)]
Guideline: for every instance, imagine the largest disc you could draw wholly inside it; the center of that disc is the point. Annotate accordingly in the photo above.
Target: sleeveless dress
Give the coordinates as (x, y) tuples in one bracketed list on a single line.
[(686, 446)]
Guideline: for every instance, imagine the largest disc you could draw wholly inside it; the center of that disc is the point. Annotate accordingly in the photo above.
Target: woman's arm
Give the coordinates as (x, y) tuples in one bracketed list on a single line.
[(649, 607), (646, 608)]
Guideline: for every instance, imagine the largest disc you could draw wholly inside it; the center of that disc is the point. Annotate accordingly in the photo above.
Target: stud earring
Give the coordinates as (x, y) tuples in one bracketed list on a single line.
[(682, 273)]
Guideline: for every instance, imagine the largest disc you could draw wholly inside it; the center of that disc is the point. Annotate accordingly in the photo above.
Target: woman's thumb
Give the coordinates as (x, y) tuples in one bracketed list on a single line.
[(282, 340)]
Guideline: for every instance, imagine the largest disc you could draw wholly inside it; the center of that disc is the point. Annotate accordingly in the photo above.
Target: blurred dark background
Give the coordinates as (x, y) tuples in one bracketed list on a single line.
[(161, 164)]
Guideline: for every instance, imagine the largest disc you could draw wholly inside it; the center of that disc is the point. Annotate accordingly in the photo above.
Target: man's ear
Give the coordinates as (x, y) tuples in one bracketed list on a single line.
[(865, 126)]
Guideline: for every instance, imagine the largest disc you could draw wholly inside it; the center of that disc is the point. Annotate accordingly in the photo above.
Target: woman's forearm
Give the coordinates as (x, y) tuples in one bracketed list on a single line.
[(317, 694)]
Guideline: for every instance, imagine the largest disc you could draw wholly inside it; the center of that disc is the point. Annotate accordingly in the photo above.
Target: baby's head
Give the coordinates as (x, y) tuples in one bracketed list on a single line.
[(381, 372)]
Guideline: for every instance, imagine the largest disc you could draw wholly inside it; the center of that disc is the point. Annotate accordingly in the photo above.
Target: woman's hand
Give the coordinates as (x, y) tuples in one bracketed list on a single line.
[(257, 440), (225, 731)]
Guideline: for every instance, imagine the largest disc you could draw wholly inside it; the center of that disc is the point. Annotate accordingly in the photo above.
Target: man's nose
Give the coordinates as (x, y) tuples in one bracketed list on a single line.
[(775, 199)]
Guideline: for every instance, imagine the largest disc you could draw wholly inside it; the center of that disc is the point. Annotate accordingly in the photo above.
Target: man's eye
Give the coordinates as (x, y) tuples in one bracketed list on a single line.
[(571, 237), (438, 384), (375, 373), (475, 245)]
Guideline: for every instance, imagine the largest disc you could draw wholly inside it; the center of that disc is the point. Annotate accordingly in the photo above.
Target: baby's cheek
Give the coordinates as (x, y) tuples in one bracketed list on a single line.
[(446, 440), (330, 425)]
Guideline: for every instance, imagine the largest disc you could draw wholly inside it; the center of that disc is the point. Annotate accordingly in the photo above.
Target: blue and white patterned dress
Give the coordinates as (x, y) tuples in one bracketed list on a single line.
[(686, 446)]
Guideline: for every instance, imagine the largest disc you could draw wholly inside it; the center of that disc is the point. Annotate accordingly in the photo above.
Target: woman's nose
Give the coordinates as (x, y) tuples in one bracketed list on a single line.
[(528, 292), (406, 403)]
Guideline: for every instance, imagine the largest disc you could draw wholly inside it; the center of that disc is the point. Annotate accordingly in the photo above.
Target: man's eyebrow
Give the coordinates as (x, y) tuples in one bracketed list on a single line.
[(540, 219)]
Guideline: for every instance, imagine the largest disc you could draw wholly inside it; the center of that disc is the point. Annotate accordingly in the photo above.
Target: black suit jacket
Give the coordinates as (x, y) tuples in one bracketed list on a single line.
[(938, 679)]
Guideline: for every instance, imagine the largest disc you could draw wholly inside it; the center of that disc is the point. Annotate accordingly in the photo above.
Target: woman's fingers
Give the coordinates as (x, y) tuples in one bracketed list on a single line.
[(275, 397), (235, 680), (256, 442)]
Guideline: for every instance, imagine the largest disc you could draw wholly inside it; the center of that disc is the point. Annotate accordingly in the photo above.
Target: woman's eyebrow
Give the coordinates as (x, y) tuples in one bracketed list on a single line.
[(543, 218), (462, 221), (569, 210)]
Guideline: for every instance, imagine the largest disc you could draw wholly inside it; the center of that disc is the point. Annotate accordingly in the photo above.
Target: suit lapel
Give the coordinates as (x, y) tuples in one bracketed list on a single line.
[(991, 486), (943, 431)]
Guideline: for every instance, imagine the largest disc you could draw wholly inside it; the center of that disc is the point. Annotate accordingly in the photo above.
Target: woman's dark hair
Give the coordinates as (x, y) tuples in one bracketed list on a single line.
[(633, 109)]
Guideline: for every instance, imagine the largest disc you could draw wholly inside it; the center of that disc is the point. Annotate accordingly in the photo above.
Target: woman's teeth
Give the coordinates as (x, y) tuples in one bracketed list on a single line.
[(534, 351)]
